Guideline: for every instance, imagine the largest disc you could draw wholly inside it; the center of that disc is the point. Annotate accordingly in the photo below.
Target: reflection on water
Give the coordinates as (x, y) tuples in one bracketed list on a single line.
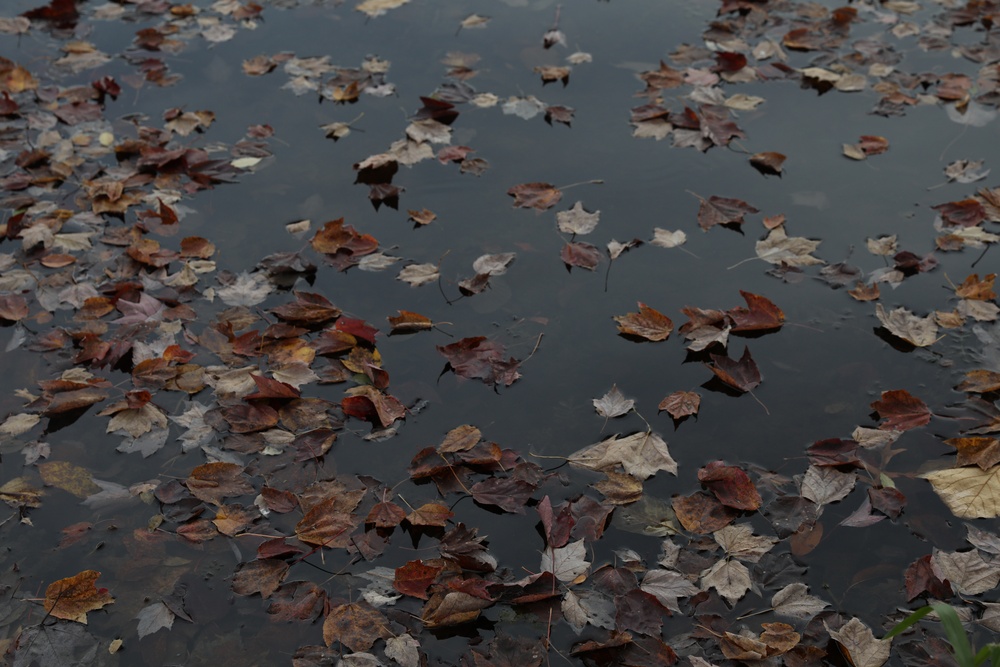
[(821, 371)]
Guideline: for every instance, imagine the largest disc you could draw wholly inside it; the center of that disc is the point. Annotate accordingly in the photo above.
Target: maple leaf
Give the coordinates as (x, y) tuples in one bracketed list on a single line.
[(762, 314), (73, 597), (540, 196), (576, 220), (648, 323), (742, 375), (613, 404), (566, 563), (681, 404), (722, 211), (919, 331), (730, 578), (262, 576), (794, 600), (641, 455), (857, 641), (481, 359), (357, 626), (779, 248), (901, 410)]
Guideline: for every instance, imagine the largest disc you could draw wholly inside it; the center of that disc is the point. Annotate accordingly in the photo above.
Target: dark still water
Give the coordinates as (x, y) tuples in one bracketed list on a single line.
[(313, 311)]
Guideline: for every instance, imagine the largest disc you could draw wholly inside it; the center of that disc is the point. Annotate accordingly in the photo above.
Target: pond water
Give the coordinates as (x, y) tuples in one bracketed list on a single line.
[(822, 366)]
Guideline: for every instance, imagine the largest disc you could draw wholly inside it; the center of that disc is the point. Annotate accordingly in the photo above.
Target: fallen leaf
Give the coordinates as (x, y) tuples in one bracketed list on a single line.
[(73, 597), (970, 493), (779, 248), (668, 239), (577, 220), (648, 323), (901, 410), (768, 163), (742, 375), (584, 255), (919, 331), (681, 404), (357, 626), (722, 211), (613, 404), (540, 196), (641, 454)]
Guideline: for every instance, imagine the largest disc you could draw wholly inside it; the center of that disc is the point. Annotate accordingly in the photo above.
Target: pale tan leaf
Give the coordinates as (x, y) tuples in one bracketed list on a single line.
[(826, 485), (613, 404), (967, 572), (970, 493), (577, 220), (668, 239), (780, 248), (794, 600), (857, 639), (566, 563), (919, 331), (641, 454), (419, 274), (738, 541), (730, 578)]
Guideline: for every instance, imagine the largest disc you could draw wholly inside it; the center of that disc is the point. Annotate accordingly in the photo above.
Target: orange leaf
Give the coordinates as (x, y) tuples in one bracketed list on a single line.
[(648, 323), (72, 598)]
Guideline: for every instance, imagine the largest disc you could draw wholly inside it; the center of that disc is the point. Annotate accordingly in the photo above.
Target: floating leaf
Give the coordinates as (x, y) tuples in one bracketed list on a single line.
[(648, 323), (73, 597)]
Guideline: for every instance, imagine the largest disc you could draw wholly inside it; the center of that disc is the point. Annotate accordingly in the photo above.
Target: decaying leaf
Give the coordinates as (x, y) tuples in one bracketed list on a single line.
[(970, 493), (648, 323), (919, 331), (901, 410), (681, 404), (779, 248), (613, 404), (641, 454), (73, 597)]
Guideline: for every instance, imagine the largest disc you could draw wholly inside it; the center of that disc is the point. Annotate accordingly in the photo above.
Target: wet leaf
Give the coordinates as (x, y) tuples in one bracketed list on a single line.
[(919, 331), (641, 455), (73, 597), (539, 196), (577, 220), (742, 375), (794, 600), (648, 323), (357, 626), (730, 578), (768, 163), (858, 642), (779, 248), (731, 485), (584, 255), (681, 404), (613, 404), (723, 211), (262, 576), (68, 477), (970, 493), (212, 482), (760, 315), (566, 563), (901, 410)]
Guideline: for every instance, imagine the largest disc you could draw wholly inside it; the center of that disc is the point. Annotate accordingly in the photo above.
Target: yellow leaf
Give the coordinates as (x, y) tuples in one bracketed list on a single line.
[(970, 493)]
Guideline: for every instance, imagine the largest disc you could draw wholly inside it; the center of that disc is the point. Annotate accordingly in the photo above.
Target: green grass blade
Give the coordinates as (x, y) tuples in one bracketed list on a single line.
[(909, 621), (956, 635)]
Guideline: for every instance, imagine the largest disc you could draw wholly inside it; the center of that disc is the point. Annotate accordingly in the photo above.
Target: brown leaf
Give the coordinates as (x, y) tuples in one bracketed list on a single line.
[(862, 292), (460, 439), (357, 626), (430, 514), (452, 608), (723, 211), (702, 513), (731, 485), (540, 196), (681, 404), (980, 451), (980, 382), (415, 578), (385, 515), (13, 307), (964, 213), (407, 322), (901, 410), (259, 576), (326, 525), (762, 314), (768, 163), (979, 290), (873, 145), (73, 597), (68, 477), (584, 255), (742, 375), (212, 482), (423, 216), (368, 403), (648, 323)]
